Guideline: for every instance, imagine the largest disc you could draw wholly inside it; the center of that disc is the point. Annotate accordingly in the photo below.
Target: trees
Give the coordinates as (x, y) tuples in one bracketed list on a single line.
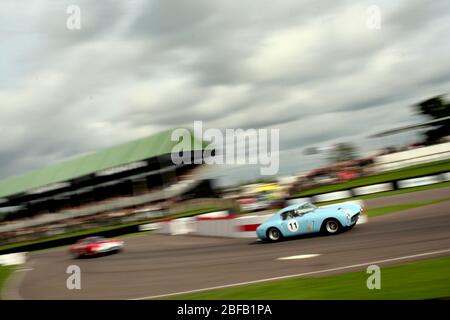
[(343, 151), (436, 108)]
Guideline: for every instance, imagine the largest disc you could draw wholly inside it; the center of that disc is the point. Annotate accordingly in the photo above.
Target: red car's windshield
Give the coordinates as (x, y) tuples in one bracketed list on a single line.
[(91, 240)]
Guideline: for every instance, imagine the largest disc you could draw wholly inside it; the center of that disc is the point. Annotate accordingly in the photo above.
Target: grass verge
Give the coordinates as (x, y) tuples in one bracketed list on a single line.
[(418, 280), (400, 207), (5, 272)]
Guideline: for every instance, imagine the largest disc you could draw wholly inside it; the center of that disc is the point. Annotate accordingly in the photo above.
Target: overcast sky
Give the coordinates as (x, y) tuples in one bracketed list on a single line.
[(313, 69)]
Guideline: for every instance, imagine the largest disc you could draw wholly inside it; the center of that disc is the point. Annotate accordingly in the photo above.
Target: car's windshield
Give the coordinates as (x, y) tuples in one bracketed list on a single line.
[(92, 240), (305, 208), (301, 210)]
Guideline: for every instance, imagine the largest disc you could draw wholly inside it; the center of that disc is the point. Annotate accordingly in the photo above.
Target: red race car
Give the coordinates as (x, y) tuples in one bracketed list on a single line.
[(95, 246)]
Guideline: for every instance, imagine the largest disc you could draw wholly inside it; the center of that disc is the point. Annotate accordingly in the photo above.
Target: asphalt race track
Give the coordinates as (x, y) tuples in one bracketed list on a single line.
[(155, 265)]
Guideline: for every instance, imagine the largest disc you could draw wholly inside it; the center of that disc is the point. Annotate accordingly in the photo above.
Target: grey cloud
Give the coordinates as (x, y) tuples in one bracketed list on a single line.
[(411, 15), (138, 67)]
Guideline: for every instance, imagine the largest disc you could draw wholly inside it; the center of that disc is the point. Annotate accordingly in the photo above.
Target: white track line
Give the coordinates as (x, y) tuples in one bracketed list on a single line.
[(295, 275), (302, 256), (22, 270)]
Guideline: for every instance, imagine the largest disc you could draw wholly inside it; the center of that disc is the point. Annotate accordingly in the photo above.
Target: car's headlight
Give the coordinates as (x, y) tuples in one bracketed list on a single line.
[(348, 213)]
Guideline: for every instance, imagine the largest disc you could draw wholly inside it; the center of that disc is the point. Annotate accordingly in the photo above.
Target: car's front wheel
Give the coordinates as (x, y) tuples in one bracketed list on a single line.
[(331, 226), (273, 234)]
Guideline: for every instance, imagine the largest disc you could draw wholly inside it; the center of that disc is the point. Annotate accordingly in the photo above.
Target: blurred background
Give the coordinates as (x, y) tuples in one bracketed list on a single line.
[(137, 182), (90, 93)]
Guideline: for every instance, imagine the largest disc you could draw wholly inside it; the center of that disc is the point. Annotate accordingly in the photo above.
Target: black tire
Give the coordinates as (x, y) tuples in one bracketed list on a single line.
[(274, 235), (331, 226)]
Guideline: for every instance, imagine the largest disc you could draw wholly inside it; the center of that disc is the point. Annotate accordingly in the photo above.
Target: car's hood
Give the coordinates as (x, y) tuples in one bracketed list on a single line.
[(348, 206)]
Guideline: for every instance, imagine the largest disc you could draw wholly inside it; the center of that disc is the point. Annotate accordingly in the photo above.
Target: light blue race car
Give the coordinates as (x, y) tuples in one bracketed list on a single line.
[(306, 218)]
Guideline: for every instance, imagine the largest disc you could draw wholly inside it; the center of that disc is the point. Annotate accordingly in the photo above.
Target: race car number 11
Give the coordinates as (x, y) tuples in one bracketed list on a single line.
[(292, 225)]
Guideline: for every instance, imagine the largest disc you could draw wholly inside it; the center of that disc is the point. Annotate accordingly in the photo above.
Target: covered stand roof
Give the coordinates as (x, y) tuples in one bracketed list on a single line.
[(119, 155)]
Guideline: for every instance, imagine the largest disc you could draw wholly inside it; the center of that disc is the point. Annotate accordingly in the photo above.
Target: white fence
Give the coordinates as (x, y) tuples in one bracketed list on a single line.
[(374, 188), (214, 226), (412, 157), (13, 259)]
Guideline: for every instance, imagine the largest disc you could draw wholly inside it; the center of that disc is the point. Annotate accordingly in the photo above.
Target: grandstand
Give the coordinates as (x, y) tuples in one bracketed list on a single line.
[(126, 180)]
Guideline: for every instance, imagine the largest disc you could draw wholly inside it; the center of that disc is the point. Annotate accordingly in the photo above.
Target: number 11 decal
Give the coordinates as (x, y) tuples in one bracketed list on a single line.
[(292, 225)]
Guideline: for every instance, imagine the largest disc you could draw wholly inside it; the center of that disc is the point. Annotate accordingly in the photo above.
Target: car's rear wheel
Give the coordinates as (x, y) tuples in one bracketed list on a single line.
[(274, 234), (331, 226), (76, 255)]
